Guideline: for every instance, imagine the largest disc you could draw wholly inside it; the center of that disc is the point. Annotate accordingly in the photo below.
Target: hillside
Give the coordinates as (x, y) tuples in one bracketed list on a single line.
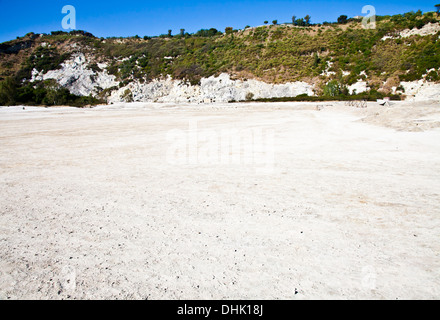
[(337, 61)]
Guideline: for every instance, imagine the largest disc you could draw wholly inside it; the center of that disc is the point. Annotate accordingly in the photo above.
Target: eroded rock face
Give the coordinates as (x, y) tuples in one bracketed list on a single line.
[(358, 87), (426, 30), (76, 76), (212, 89), (421, 90)]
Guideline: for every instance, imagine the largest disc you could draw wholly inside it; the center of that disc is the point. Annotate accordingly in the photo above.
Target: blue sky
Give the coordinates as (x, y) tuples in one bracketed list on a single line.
[(137, 17)]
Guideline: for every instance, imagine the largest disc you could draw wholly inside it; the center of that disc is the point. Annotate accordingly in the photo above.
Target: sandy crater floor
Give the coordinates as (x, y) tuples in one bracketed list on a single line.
[(91, 206)]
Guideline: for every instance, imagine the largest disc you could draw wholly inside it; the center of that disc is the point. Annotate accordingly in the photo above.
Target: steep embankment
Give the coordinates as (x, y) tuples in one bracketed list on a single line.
[(401, 57)]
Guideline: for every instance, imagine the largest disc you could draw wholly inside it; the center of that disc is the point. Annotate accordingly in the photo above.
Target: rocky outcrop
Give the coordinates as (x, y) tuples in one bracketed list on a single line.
[(212, 89), (75, 74), (421, 90), (426, 30), (78, 75), (358, 87)]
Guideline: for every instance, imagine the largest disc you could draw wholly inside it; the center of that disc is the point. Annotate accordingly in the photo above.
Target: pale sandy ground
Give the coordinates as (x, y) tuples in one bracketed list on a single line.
[(91, 208)]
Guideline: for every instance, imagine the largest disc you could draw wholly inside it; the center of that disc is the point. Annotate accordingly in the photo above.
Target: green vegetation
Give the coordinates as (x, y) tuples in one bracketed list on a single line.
[(335, 89), (8, 92), (307, 19), (47, 93), (45, 59), (207, 33), (271, 53), (343, 19), (368, 96)]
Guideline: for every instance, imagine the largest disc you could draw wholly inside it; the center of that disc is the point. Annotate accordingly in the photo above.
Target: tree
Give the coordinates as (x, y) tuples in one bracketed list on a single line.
[(275, 22), (229, 30), (127, 96), (182, 32), (332, 89), (55, 94), (293, 20), (437, 6), (342, 19), (420, 24), (316, 60), (169, 33), (207, 33), (266, 22), (8, 92), (307, 19), (300, 22)]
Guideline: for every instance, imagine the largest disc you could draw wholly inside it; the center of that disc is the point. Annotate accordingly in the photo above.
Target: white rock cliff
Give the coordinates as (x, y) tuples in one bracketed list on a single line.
[(76, 75)]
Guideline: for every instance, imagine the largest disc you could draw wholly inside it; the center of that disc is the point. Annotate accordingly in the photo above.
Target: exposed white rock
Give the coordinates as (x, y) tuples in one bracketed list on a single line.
[(102, 65), (358, 87), (431, 71), (164, 90), (212, 89), (421, 90), (77, 77), (426, 30), (124, 59), (327, 71), (222, 89), (388, 37)]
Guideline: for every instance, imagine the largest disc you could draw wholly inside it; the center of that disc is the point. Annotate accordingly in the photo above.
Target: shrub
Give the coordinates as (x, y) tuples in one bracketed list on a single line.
[(208, 33), (8, 92), (249, 96), (332, 89), (57, 33), (41, 93), (56, 95), (45, 59), (300, 22), (433, 76), (307, 19), (95, 67), (127, 96), (343, 19), (400, 88)]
